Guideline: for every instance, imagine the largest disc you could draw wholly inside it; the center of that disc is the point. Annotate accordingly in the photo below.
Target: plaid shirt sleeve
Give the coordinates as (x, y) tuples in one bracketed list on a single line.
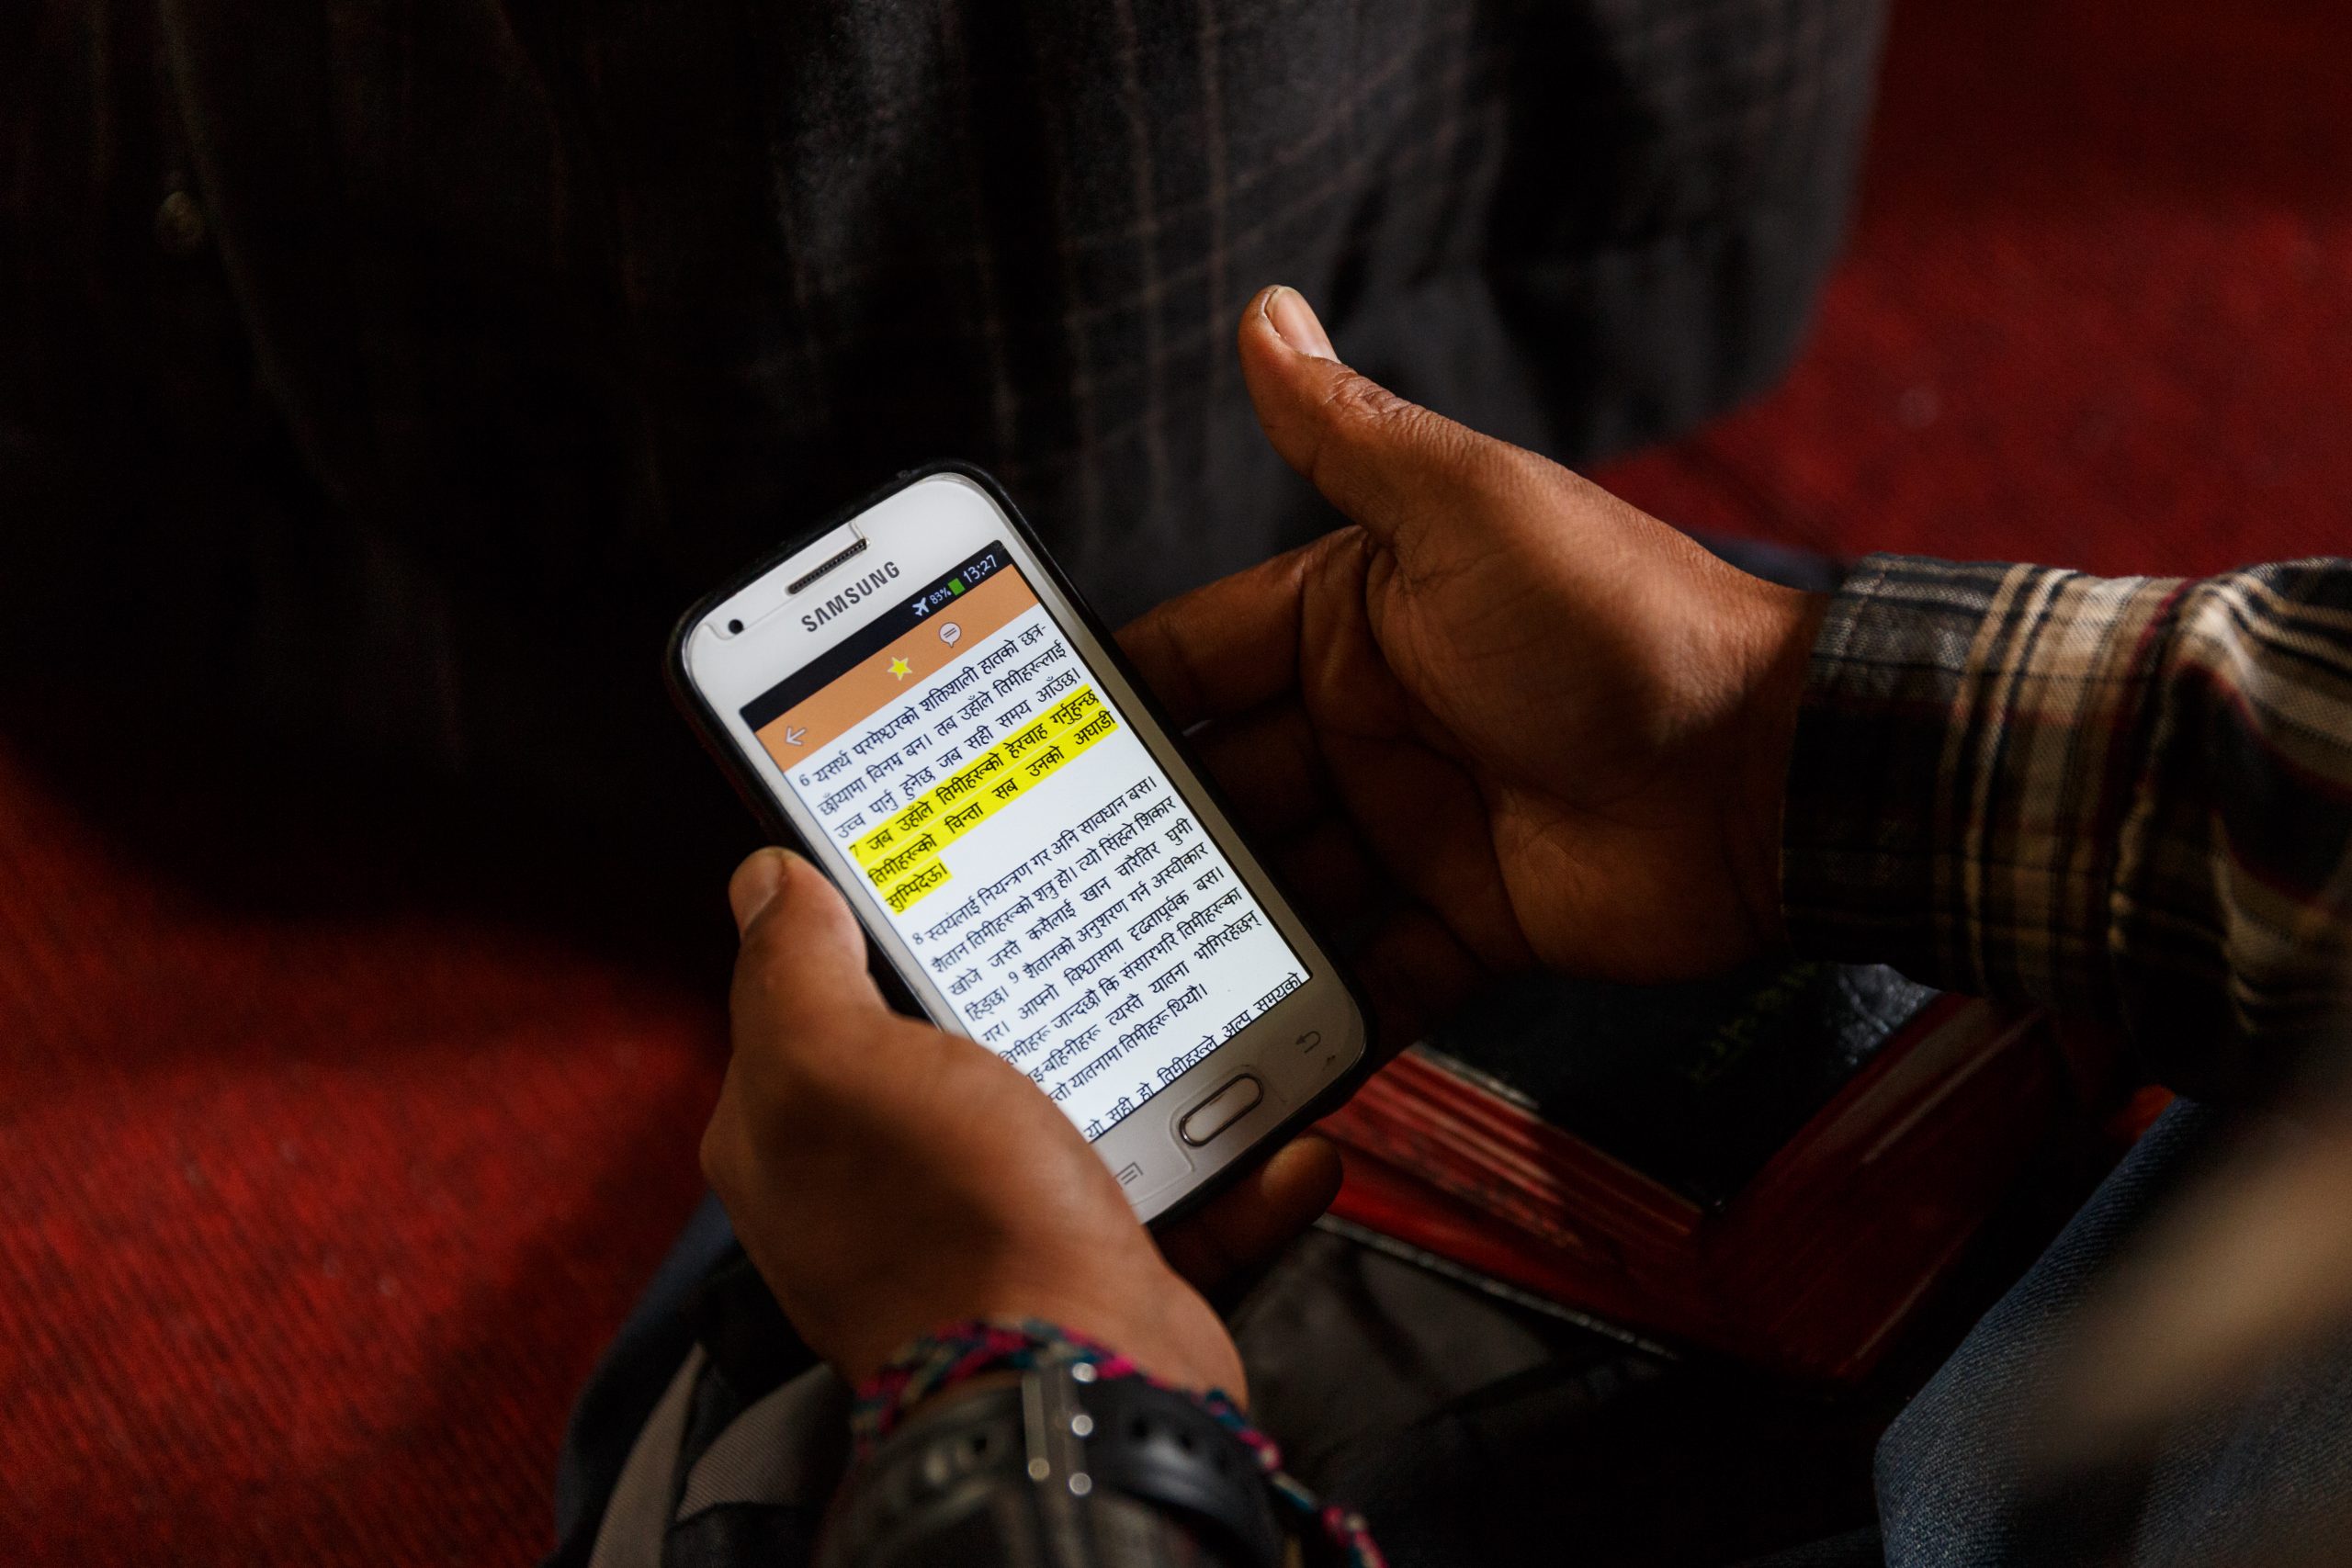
[(2127, 798)]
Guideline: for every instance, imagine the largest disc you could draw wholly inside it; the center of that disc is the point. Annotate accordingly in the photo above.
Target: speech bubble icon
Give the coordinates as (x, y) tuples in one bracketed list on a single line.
[(949, 633)]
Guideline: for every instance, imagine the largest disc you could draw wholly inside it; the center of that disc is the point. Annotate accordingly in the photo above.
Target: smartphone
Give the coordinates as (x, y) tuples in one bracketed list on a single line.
[(915, 694)]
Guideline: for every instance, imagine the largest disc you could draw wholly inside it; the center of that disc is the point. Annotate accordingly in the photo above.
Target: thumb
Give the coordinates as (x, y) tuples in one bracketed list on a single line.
[(803, 956), (1388, 464)]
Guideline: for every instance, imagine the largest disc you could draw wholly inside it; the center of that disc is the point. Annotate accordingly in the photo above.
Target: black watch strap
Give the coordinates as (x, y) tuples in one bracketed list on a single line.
[(1064, 1470)]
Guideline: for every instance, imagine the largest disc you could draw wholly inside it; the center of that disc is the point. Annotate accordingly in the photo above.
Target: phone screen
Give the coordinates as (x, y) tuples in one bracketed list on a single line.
[(1026, 842)]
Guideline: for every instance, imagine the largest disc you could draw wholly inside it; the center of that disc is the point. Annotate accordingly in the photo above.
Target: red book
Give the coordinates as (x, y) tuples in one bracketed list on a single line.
[(1779, 1167)]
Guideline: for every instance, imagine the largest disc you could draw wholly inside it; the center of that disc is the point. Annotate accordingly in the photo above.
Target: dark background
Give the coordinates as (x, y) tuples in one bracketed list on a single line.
[(312, 1218)]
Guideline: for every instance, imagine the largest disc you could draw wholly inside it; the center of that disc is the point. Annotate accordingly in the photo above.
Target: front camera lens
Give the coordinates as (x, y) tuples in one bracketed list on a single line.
[(734, 627)]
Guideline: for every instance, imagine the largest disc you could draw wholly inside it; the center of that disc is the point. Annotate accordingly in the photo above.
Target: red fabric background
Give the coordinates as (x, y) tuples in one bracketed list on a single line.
[(2096, 308), (311, 1226)]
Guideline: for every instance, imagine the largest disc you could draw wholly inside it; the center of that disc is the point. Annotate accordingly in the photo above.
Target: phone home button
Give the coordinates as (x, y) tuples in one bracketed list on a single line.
[(1221, 1110)]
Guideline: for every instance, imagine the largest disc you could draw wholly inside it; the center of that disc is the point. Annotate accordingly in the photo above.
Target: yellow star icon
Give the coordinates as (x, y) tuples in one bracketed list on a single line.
[(898, 667)]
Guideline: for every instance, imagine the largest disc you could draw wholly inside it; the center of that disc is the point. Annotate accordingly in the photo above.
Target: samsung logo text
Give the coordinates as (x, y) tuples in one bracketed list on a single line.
[(850, 593)]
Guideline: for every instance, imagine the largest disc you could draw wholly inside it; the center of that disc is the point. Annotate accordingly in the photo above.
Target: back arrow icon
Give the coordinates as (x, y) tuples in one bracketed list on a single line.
[(792, 734)]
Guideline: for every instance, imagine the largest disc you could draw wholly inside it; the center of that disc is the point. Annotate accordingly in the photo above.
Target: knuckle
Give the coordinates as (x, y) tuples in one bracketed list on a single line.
[(1359, 400), (766, 993), (788, 1083), (1367, 425)]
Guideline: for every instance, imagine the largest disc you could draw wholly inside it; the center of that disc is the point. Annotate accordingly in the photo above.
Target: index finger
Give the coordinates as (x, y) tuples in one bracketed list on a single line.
[(1226, 647), (1244, 1227)]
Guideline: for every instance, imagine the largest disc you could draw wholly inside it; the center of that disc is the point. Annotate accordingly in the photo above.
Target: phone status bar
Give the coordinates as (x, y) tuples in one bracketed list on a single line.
[(955, 585)]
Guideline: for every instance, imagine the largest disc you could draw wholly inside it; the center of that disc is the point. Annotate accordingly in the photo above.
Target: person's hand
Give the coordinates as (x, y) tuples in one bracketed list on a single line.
[(886, 1177), (1503, 719)]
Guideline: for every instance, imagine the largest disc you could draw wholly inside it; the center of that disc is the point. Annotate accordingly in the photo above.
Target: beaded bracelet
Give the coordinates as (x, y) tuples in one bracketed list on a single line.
[(959, 1351)]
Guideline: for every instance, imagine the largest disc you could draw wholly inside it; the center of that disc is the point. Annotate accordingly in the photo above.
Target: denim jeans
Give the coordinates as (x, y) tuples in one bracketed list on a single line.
[(2255, 1481)]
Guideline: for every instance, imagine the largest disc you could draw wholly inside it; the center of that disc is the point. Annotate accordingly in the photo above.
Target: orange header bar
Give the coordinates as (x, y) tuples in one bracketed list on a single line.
[(900, 666)]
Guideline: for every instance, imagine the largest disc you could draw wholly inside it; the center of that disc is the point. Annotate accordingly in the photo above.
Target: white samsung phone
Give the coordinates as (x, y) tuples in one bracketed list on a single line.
[(915, 694)]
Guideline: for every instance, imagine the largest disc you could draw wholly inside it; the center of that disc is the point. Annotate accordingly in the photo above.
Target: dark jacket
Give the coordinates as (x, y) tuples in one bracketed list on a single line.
[(385, 380)]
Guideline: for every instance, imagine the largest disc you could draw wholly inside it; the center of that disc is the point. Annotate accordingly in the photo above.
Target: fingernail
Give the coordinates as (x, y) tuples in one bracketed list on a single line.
[(1294, 323), (753, 887)]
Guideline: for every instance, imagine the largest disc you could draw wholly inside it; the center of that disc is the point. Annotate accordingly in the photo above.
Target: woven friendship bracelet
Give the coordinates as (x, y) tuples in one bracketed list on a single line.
[(960, 1351)]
